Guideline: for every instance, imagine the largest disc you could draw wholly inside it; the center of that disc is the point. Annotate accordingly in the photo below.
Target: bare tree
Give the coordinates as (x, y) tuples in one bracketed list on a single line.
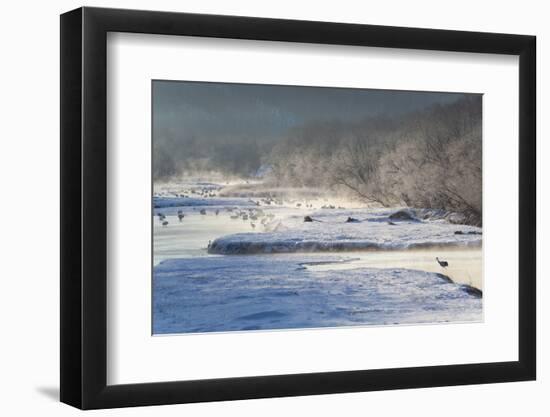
[(357, 168)]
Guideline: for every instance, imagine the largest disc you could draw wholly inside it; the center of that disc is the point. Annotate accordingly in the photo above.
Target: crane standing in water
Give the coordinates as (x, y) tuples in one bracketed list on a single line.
[(443, 264)]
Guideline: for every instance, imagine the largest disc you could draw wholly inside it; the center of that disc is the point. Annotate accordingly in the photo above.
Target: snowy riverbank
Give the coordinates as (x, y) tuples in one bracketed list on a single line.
[(224, 293), (337, 230), (225, 263)]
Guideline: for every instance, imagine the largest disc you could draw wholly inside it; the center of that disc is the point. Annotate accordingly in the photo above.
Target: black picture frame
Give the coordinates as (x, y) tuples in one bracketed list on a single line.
[(84, 207)]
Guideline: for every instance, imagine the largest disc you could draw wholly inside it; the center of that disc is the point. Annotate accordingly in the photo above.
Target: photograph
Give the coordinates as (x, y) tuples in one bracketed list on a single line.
[(279, 207)]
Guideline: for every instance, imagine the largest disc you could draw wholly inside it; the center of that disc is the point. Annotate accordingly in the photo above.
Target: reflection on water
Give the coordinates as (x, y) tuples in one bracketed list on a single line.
[(465, 264), (191, 236)]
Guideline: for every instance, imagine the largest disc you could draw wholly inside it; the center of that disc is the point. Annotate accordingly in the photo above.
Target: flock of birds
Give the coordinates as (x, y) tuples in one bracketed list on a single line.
[(164, 222), (254, 215)]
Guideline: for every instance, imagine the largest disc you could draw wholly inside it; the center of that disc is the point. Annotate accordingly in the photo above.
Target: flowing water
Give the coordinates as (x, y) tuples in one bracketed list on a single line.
[(190, 238)]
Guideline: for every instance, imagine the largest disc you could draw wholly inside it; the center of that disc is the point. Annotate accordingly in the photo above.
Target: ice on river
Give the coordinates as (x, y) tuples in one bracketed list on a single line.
[(330, 231), (225, 293)]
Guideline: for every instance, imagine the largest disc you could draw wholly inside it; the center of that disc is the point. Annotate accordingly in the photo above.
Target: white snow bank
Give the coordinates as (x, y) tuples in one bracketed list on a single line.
[(330, 231), (212, 294)]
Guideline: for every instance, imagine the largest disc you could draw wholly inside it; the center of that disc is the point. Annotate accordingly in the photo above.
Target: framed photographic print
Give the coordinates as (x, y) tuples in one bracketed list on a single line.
[(258, 208)]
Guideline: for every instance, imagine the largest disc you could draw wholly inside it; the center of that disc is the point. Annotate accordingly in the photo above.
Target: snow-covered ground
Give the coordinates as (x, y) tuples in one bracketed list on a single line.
[(224, 293), (329, 231), (225, 262)]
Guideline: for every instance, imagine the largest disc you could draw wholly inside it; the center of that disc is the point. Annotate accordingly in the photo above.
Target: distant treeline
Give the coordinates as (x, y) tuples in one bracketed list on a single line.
[(174, 155), (428, 159)]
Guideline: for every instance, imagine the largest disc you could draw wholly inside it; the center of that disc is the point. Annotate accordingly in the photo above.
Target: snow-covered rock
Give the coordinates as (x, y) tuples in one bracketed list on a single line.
[(330, 232)]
